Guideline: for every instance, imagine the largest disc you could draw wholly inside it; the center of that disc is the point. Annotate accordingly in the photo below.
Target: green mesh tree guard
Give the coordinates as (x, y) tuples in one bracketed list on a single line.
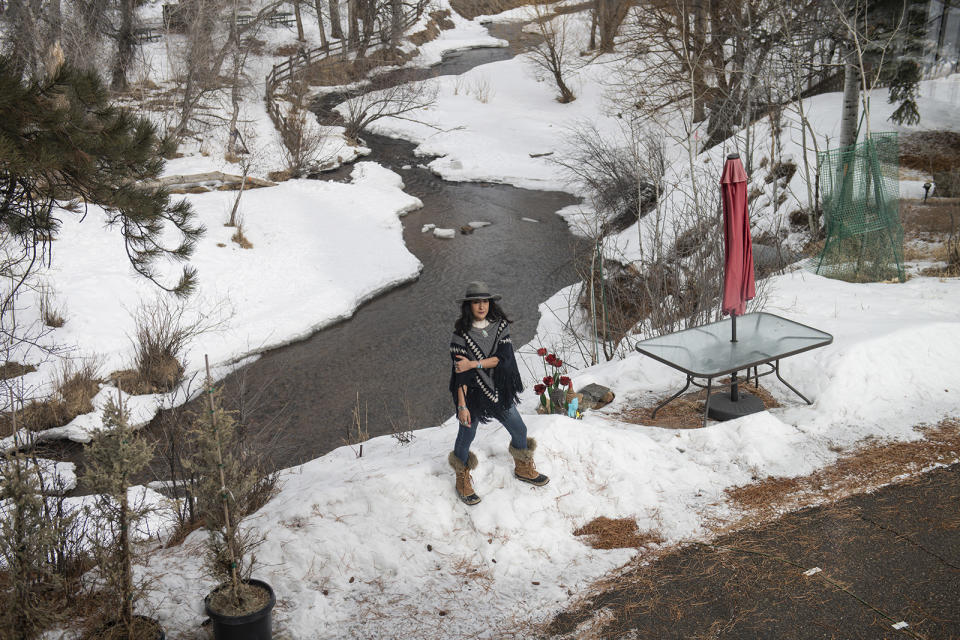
[(860, 191)]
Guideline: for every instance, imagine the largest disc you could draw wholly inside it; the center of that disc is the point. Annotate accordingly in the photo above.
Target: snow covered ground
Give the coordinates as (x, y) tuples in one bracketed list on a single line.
[(379, 546)]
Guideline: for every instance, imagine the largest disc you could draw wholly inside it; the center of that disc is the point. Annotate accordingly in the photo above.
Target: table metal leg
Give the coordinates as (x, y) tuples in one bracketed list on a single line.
[(706, 404), (671, 398), (776, 368)]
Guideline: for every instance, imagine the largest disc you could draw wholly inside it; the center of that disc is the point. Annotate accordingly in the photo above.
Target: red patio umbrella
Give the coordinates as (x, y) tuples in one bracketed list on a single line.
[(738, 282)]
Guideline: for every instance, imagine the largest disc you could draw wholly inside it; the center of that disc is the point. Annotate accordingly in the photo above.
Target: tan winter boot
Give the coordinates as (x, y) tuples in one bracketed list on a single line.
[(524, 467), (464, 485)]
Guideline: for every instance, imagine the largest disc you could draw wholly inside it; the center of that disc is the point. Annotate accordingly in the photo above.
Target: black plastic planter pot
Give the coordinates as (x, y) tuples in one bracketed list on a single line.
[(252, 626)]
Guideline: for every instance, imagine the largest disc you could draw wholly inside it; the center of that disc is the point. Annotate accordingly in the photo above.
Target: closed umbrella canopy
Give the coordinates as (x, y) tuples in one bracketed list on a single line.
[(738, 282)]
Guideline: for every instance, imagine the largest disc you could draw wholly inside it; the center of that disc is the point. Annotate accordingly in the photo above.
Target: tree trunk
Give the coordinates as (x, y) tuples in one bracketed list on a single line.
[(566, 96), (55, 17), (336, 30), (323, 33), (126, 584), (593, 24), (353, 35), (611, 15), (696, 57), (125, 44), (367, 14), (396, 22), (296, 13), (851, 98)]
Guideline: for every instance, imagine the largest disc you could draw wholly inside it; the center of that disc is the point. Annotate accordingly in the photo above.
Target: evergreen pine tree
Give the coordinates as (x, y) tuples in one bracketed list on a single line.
[(63, 147), (25, 540), (227, 486), (112, 460)]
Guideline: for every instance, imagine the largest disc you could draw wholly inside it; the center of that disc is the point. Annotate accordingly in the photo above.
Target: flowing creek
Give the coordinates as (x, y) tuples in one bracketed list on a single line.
[(392, 354), (298, 401)]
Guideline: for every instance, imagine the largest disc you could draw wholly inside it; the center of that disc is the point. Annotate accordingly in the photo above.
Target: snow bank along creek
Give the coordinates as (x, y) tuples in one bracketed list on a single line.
[(392, 354)]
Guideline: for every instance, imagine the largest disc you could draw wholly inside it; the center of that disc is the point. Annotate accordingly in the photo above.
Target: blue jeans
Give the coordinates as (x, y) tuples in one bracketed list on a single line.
[(511, 421)]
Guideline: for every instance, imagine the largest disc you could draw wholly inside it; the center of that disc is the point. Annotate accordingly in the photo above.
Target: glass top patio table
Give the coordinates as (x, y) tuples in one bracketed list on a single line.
[(707, 352)]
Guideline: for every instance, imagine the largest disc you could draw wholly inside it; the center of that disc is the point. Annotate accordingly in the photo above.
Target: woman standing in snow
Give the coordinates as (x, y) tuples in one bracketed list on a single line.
[(485, 384)]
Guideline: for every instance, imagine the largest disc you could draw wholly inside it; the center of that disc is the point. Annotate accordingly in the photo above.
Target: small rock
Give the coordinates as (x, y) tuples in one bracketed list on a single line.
[(406, 167), (427, 228), (466, 230), (429, 547), (596, 396), (446, 234)]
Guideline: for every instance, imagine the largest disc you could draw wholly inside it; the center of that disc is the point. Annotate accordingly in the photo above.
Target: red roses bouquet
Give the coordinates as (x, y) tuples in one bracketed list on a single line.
[(552, 381)]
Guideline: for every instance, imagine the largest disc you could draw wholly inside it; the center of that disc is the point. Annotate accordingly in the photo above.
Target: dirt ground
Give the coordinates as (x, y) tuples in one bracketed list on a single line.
[(872, 566)]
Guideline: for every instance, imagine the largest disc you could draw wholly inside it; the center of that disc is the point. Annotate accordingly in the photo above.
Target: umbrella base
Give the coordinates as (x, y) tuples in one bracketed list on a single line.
[(723, 408)]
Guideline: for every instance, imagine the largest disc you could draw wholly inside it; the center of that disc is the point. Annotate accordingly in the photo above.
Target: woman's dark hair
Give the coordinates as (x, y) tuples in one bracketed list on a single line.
[(465, 321)]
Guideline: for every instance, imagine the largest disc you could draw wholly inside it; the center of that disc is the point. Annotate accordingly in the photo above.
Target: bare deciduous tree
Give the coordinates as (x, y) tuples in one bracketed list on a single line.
[(393, 100), (302, 138), (552, 55)]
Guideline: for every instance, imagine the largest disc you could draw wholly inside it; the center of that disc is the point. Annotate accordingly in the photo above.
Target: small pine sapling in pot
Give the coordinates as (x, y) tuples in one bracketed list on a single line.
[(225, 492)]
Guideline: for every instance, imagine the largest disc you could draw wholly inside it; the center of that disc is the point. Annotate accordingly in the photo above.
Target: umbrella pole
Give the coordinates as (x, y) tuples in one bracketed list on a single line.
[(734, 389)]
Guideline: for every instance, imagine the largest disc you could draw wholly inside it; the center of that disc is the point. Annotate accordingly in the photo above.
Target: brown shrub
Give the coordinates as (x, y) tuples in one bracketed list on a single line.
[(948, 183), (930, 151), (74, 389), (241, 239), (287, 50)]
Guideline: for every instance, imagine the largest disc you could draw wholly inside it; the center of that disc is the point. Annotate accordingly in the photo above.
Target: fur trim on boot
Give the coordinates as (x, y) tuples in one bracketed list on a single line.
[(464, 484), (524, 469)]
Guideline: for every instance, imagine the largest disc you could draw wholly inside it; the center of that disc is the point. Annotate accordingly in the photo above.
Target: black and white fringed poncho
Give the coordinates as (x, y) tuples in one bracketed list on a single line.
[(489, 392)]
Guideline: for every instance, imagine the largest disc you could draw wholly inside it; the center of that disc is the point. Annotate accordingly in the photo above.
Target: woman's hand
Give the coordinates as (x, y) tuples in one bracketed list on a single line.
[(463, 415), (462, 364)]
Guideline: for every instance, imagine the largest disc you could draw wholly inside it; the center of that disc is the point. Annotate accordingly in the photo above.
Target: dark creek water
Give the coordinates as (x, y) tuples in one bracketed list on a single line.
[(391, 356), (392, 353), (298, 401)]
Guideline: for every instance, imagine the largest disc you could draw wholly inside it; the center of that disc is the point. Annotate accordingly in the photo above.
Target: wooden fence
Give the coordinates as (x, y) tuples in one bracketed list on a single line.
[(287, 69)]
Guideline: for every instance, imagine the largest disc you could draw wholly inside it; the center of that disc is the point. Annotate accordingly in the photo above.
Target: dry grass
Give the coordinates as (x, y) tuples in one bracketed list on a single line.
[(15, 370), (930, 151), (871, 465), (75, 387), (181, 531), (619, 533), (240, 238), (686, 412), (51, 312), (932, 230), (470, 571)]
